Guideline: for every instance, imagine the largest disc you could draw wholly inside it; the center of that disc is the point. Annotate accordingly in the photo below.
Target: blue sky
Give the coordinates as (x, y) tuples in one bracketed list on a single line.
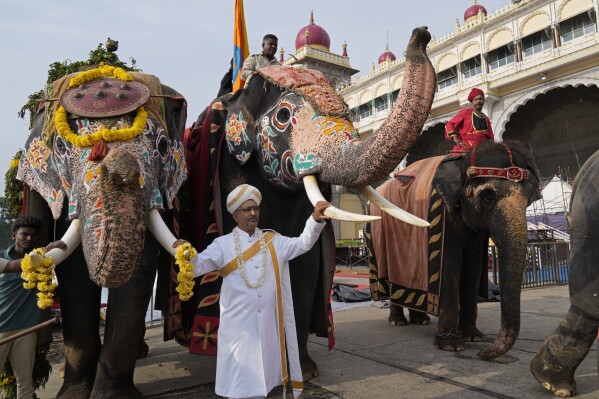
[(188, 44)]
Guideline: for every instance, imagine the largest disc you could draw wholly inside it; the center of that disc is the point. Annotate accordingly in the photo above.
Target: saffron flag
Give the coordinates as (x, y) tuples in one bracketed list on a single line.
[(240, 45)]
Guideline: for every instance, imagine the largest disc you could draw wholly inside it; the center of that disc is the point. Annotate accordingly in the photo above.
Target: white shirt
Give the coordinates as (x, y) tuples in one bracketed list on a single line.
[(248, 354)]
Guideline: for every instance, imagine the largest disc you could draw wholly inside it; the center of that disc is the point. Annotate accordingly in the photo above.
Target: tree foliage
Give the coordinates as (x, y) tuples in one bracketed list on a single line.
[(59, 69)]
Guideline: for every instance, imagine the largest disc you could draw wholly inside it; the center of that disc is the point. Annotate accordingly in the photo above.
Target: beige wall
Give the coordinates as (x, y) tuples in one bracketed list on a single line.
[(350, 203)]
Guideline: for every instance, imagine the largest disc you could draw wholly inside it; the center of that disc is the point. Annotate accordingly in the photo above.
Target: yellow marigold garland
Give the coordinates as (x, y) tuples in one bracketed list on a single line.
[(40, 276), (14, 163), (99, 72), (125, 134), (183, 256)]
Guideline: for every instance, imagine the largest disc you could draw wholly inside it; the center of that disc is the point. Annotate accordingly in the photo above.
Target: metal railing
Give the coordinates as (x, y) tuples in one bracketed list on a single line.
[(547, 263)]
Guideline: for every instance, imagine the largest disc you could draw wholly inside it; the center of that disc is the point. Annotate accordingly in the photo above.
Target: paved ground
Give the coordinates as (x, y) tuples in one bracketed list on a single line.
[(373, 359)]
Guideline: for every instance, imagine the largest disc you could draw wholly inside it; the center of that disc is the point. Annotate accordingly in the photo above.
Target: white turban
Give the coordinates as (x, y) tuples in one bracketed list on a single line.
[(241, 194)]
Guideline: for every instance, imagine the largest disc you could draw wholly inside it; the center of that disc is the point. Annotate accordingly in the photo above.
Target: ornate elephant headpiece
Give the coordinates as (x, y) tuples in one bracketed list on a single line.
[(309, 84)]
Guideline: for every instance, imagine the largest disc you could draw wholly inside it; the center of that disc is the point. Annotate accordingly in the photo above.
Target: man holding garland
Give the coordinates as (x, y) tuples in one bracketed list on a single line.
[(257, 325), (18, 305)]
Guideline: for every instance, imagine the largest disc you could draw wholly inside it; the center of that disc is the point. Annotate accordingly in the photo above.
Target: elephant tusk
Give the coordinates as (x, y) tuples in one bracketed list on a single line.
[(387, 206), (161, 231), (315, 195), (72, 239)]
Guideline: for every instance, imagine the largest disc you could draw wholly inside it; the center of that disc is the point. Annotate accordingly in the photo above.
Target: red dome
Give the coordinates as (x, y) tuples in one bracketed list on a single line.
[(473, 11), (313, 35), (385, 55)]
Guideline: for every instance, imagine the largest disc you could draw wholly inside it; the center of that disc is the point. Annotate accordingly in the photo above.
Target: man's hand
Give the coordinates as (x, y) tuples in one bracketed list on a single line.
[(179, 242), (56, 244), (319, 208), (459, 141)]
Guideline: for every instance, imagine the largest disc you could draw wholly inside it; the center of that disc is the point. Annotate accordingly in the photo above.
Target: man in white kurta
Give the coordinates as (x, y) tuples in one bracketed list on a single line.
[(249, 356)]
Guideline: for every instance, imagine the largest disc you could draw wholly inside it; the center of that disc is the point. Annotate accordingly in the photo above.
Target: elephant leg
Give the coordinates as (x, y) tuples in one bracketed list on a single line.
[(469, 288), (563, 351), (304, 274), (420, 318), (144, 349), (125, 317), (80, 311), (396, 316), (448, 336)]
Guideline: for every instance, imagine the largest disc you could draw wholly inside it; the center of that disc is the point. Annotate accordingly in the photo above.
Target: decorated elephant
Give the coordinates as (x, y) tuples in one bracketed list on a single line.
[(286, 126), (105, 153), (563, 351), (466, 198)]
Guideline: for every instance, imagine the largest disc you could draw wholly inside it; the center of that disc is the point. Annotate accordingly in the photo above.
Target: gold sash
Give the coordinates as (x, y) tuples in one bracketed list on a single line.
[(247, 254)]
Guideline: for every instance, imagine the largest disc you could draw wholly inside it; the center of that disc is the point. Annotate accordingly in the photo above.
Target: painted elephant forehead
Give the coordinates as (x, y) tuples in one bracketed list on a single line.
[(311, 85), (317, 137)]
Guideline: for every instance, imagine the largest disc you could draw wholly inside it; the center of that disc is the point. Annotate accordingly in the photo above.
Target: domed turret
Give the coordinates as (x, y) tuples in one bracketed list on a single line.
[(472, 12), (313, 35), (387, 55)]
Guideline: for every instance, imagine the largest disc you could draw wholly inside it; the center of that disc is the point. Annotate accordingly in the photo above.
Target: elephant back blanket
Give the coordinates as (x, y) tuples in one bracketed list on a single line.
[(311, 85), (407, 266)]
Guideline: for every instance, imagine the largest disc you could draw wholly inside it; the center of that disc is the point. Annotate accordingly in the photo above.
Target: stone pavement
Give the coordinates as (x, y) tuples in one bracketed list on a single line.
[(373, 359)]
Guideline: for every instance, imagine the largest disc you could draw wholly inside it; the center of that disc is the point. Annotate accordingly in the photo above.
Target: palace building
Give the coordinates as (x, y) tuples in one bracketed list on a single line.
[(537, 62)]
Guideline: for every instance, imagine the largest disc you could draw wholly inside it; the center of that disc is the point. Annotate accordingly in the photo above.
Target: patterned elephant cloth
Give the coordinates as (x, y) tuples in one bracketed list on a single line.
[(408, 271), (59, 170)]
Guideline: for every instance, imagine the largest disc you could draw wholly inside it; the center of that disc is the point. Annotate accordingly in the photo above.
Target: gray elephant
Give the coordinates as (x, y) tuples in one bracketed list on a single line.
[(467, 199), (288, 126), (105, 153), (563, 351)]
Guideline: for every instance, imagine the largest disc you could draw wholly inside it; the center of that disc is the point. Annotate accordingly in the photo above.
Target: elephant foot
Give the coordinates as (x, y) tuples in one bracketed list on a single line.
[(451, 341), (74, 391), (122, 392), (472, 334), (420, 318), (309, 368), (396, 316), (144, 349), (559, 382)]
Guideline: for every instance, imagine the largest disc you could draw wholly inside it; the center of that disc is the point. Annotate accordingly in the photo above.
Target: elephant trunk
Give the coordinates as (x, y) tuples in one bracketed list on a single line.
[(113, 250), (373, 159), (510, 235)]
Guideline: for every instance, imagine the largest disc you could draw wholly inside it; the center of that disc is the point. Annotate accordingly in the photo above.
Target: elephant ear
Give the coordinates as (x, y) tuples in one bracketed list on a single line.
[(533, 179), (44, 163), (449, 179)]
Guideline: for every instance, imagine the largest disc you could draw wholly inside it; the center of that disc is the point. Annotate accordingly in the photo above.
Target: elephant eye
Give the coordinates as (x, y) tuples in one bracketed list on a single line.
[(283, 115), (488, 197)]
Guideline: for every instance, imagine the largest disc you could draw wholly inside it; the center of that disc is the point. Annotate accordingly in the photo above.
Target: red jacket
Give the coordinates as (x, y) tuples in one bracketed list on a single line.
[(463, 124)]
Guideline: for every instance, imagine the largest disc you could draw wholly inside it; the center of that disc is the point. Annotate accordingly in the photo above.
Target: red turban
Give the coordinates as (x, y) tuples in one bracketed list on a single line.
[(475, 92)]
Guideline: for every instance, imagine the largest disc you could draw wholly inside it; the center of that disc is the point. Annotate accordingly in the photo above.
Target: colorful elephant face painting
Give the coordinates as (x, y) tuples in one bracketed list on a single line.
[(63, 169), (285, 138)]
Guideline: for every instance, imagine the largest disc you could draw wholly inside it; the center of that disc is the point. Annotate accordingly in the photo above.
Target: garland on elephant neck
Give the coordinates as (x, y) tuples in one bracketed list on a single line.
[(185, 281), (108, 135), (41, 276)]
